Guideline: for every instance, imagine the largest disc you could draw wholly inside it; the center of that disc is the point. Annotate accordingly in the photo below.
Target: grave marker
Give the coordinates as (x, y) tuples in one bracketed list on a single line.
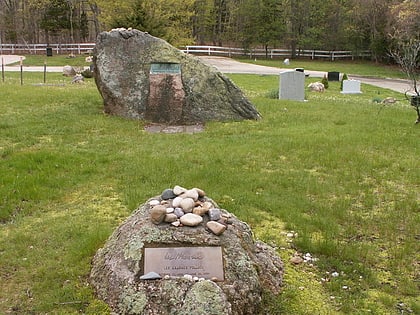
[(351, 87), (292, 85), (333, 76)]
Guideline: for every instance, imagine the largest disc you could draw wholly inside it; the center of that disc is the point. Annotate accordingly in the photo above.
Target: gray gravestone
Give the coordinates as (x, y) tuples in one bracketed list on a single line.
[(333, 76), (351, 87), (292, 85)]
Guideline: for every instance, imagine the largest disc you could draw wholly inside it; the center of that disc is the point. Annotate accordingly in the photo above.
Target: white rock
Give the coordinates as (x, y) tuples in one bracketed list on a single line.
[(154, 202), (192, 193), (316, 87), (179, 190), (176, 202), (187, 204), (188, 277), (170, 210), (191, 219)]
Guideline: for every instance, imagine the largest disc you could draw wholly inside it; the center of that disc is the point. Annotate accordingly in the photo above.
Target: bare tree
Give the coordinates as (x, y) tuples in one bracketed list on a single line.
[(405, 33)]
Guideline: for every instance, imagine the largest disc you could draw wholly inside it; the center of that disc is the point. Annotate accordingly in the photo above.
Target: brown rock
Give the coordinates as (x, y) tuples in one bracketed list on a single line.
[(200, 211), (157, 214), (215, 227), (296, 260), (170, 217)]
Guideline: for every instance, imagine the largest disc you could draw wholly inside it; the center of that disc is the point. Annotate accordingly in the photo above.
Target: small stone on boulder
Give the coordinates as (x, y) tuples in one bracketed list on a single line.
[(187, 204), (178, 190), (157, 214), (191, 219), (215, 214), (168, 194), (151, 276), (215, 227)]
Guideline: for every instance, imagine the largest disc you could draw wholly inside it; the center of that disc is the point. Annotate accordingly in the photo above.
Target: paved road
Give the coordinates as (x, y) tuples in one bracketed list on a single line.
[(227, 65)]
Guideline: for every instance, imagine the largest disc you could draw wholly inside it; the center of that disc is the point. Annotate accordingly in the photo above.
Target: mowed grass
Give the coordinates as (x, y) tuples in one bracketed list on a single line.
[(339, 170)]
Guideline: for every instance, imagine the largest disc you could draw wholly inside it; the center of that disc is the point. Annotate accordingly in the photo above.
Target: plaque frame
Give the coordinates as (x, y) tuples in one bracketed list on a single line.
[(198, 261)]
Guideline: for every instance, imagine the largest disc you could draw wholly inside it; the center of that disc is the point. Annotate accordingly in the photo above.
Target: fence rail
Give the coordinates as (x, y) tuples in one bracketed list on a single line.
[(86, 48), (275, 53), (37, 49)]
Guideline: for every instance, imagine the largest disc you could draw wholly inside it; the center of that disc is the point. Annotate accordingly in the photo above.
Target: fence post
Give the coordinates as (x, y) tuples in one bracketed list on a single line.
[(21, 71), (2, 69), (332, 56)]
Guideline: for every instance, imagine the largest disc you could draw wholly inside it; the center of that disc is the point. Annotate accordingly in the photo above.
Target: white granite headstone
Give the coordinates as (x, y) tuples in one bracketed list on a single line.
[(292, 85), (351, 87)]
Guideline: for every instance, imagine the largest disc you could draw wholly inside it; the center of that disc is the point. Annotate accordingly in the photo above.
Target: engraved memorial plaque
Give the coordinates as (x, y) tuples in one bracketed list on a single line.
[(202, 262), (165, 68)]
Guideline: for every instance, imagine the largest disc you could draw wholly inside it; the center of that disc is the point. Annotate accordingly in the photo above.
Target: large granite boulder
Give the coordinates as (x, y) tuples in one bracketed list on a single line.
[(143, 77), (249, 267)]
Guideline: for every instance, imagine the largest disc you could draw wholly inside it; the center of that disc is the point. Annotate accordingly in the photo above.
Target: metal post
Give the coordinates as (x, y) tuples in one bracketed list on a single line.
[(45, 72), (2, 69), (21, 71)]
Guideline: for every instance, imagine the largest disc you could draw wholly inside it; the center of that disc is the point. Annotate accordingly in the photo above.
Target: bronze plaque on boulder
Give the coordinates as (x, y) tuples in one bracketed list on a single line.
[(201, 262), (167, 68)]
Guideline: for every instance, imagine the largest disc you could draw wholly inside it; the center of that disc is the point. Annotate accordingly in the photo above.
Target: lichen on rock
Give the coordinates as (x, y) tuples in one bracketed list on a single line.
[(199, 93), (250, 267)]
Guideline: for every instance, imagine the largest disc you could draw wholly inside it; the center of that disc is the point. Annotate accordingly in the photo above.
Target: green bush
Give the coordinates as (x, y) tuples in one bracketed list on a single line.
[(345, 77), (325, 81)]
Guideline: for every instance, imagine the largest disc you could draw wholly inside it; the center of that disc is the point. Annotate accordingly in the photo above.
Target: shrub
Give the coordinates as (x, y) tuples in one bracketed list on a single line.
[(325, 81), (345, 77)]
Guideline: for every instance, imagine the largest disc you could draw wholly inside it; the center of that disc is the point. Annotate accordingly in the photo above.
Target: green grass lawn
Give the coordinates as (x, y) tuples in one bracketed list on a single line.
[(340, 171), (55, 60)]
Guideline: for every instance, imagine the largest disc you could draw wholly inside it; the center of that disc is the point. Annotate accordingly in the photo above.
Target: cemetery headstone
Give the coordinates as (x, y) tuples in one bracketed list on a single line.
[(292, 85), (351, 87), (333, 76), (143, 77), (180, 253)]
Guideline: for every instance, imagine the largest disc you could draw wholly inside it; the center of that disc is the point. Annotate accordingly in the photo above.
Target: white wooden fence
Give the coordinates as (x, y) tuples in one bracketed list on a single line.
[(86, 48), (274, 53), (37, 49)]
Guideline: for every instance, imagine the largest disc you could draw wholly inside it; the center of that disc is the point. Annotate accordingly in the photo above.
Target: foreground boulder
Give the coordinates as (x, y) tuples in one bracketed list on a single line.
[(127, 281), (143, 77)]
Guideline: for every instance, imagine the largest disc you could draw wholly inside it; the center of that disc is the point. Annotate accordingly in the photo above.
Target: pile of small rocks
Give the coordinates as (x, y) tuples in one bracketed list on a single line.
[(188, 207)]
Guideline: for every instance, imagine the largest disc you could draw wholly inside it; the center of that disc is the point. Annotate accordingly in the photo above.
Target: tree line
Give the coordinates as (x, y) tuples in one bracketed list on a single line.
[(295, 24)]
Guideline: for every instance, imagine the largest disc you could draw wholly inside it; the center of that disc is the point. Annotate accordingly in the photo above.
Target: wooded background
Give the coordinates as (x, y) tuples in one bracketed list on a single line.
[(295, 24)]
